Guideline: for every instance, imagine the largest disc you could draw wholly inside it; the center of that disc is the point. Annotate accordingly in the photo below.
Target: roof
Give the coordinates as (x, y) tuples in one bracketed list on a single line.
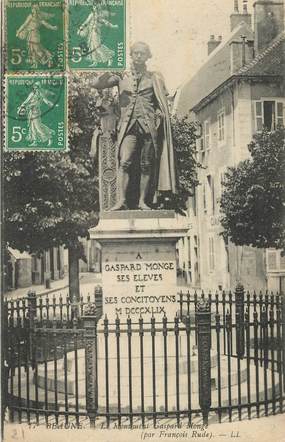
[(270, 62), (17, 254), (216, 71)]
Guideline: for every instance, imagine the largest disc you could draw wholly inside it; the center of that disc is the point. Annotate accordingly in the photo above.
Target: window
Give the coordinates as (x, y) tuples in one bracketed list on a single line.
[(200, 148), (207, 135), (189, 252), (194, 202), (204, 196), (212, 192), (211, 254), (275, 261), (196, 260), (280, 114), (282, 262), (269, 114), (58, 259), (34, 263), (200, 141), (272, 261), (221, 126)]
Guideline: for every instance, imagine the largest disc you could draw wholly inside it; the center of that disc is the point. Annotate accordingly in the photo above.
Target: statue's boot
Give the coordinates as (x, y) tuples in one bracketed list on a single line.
[(143, 206), (123, 182), (144, 185)]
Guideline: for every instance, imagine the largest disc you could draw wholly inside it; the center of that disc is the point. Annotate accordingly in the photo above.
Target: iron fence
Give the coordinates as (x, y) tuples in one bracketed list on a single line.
[(221, 354)]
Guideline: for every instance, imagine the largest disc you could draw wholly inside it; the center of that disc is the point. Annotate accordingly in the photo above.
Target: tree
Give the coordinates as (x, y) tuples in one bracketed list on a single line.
[(184, 133), (51, 198), (253, 200)]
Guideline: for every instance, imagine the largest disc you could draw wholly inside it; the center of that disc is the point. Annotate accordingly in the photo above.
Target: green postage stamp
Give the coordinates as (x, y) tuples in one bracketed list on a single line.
[(96, 34), (35, 35), (36, 113)]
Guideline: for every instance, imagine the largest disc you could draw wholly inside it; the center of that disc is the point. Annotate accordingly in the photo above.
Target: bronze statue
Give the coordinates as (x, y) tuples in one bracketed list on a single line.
[(144, 132)]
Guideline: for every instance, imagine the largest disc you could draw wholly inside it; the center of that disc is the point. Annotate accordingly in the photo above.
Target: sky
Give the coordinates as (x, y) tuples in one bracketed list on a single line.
[(177, 32)]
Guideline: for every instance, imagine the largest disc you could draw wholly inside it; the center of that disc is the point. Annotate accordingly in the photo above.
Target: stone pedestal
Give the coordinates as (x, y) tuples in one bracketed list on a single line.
[(139, 262)]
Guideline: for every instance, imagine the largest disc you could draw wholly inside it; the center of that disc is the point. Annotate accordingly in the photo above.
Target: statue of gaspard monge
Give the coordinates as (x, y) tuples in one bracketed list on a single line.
[(144, 131)]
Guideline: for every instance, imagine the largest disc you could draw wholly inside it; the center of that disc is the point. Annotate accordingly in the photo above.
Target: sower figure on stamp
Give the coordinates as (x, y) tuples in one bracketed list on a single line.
[(144, 131)]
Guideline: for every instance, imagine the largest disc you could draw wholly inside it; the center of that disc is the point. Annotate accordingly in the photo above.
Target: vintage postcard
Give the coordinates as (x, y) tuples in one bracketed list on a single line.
[(143, 208)]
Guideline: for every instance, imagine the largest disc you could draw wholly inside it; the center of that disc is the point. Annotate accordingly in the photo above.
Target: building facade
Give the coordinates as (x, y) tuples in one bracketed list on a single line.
[(92, 251), (238, 91), (24, 270)]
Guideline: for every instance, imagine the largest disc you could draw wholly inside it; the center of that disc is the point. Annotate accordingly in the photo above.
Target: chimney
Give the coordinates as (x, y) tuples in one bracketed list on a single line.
[(236, 18), (268, 22), (242, 53), (213, 43)]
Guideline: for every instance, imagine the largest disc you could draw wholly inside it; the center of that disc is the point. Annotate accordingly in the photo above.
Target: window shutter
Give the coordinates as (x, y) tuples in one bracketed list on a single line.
[(212, 192), (272, 260), (211, 254), (258, 116), (282, 262), (204, 198), (221, 126), (213, 195), (207, 135), (280, 114)]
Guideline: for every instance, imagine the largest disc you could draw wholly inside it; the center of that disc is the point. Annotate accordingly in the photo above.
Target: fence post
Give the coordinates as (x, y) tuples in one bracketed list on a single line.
[(99, 301), (32, 313), (32, 304), (90, 334), (239, 295), (283, 335), (203, 317), (5, 359)]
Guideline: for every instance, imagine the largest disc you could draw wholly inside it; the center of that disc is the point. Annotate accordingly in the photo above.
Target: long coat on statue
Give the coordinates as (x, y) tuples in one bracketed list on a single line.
[(164, 176)]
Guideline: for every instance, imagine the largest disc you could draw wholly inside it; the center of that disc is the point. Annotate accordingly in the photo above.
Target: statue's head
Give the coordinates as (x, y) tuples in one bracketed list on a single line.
[(140, 53)]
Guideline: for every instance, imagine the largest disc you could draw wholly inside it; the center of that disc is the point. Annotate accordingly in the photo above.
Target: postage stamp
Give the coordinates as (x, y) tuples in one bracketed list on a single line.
[(35, 35), (36, 113), (97, 34)]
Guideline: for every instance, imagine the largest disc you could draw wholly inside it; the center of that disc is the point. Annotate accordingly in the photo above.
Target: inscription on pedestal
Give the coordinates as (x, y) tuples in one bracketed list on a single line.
[(139, 279)]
